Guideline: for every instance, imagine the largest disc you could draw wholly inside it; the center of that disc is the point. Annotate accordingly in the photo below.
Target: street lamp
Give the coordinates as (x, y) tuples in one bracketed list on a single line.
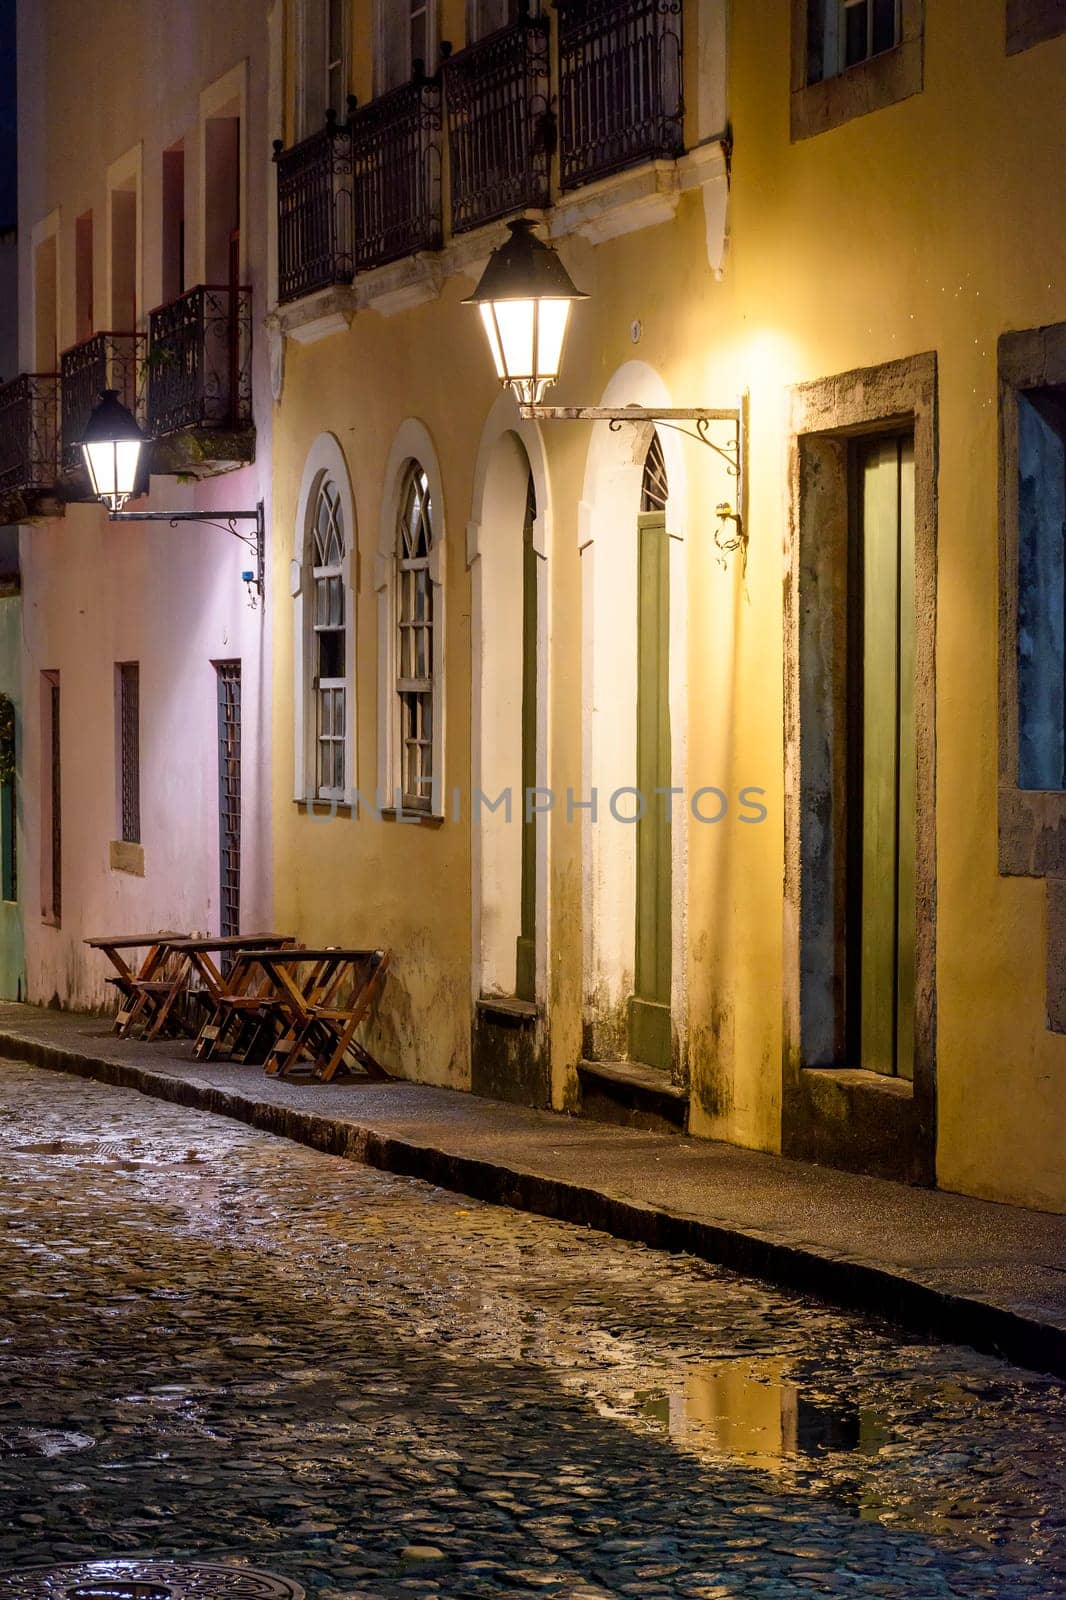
[(524, 297), (112, 444)]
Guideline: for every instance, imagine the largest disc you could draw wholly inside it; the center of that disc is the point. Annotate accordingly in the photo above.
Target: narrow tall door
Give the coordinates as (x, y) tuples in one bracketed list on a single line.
[(884, 862), (649, 1009), (229, 796)]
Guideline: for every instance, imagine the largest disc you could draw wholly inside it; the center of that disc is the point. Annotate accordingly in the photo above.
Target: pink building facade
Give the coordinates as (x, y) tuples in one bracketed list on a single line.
[(144, 247)]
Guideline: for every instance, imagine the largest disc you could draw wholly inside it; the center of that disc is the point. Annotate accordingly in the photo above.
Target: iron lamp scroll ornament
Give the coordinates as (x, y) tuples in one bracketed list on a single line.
[(525, 296), (112, 445)]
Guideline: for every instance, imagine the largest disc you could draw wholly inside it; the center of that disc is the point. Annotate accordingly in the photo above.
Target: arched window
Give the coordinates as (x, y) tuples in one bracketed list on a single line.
[(415, 677), (655, 488), (329, 667)]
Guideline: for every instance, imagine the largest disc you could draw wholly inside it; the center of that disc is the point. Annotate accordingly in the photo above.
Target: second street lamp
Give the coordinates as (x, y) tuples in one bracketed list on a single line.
[(112, 445)]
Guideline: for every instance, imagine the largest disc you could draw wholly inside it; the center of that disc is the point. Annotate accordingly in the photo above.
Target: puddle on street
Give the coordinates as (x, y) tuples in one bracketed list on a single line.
[(752, 1410)]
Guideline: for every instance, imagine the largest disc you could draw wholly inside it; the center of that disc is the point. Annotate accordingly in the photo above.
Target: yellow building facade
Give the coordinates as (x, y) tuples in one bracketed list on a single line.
[(846, 944)]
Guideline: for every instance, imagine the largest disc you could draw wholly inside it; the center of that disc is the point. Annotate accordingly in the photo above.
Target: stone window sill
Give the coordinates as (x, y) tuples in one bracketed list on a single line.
[(406, 819), (860, 1082), (870, 86), (1031, 22), (324, 808), (125, 856), (507, 1009)]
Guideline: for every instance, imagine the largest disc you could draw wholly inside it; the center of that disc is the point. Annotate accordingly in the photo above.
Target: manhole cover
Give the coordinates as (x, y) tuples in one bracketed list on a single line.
[(144, 1580)]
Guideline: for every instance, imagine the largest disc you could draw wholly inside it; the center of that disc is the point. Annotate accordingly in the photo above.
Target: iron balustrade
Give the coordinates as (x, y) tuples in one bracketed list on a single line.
[(315, 248), (104, 361), (396, 162), (29, 433), (366, 192), (500, 125), (200, 361), (620, 85)]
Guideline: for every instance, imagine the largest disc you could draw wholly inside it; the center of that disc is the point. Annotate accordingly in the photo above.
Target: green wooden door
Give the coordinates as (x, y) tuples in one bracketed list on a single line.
[(649, 1008), (525, 956), (889, 777)]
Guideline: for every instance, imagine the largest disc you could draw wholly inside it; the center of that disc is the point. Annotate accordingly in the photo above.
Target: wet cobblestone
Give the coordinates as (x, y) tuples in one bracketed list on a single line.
[(220, 1346)]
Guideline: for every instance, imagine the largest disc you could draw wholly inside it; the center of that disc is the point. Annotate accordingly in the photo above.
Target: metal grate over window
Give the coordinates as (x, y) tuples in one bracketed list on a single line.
[(414, 680), (229, 796), (129, 716), (655, 490), (56, 864), (330, 642)]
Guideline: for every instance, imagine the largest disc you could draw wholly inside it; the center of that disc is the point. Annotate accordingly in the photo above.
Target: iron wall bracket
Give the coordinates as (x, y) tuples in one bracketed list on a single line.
[(733, 450), (225, 522)]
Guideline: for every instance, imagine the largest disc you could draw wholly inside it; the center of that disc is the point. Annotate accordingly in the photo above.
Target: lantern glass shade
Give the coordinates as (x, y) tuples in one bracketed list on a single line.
[(111, 446), (524, 296), (526, 340)]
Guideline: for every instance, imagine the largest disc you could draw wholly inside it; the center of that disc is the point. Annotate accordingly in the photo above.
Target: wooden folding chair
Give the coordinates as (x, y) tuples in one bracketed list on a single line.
[(246, 1020), (321, 1034)]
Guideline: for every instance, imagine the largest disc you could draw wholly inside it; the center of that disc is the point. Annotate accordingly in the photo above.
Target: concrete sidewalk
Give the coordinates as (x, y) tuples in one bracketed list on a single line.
[(990, 1276)]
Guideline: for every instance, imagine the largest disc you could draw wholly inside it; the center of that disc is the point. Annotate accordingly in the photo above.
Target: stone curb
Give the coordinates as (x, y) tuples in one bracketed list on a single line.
[(917, 1307)]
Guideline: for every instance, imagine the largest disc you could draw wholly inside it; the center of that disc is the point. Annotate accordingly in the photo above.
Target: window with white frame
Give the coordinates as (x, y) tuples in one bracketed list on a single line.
[(329, 642), (855, 30), (407, 32), (323, 55), (415, 678), (486, 16)]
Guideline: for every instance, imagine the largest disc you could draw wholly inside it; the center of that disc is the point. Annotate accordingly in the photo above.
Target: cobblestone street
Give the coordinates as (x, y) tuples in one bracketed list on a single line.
[(223, 1345)]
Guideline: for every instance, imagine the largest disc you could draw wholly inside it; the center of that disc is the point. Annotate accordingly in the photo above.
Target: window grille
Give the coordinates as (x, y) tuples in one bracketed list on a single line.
[(56, 864), (229, 797), (655, 490), (414, 681), (129, 716), (330, 642)]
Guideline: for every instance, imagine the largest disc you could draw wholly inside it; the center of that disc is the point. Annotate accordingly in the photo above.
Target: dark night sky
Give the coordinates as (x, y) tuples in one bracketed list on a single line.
[(8, 206)]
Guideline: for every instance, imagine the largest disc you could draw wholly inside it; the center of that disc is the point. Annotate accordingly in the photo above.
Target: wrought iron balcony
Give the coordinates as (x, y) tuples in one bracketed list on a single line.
[(620, 85), (29, 435), (200, 361), (104, 361), (396, 163), (500, 125), (315, 247)]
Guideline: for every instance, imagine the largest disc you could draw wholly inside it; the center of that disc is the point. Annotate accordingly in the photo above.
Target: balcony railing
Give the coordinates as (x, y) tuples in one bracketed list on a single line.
[(29, 433), (315, 247), (500, 129), (367, 192), (105, 361), (200, 361), (396, 174), (620, 96)]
